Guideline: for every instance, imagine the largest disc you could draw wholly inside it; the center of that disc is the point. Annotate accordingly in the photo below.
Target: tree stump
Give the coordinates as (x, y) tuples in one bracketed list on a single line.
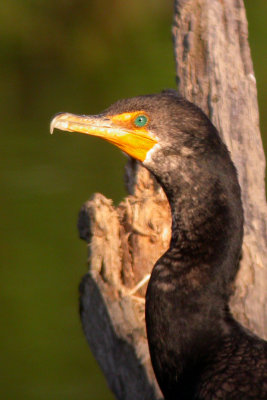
[(214, 70)]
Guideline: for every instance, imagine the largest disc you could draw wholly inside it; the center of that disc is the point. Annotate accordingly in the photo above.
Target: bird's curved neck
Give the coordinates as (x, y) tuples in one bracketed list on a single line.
[(190, 283), (207, 218)]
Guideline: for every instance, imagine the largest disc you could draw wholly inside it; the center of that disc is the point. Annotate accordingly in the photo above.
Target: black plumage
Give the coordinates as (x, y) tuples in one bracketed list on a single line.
[(198, 350)]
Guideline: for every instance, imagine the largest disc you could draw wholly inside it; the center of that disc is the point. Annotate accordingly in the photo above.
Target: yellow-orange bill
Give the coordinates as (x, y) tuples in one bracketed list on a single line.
[(134, 141)]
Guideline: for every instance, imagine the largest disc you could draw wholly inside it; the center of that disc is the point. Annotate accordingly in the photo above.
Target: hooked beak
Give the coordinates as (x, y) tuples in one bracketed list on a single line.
[(134, 141)]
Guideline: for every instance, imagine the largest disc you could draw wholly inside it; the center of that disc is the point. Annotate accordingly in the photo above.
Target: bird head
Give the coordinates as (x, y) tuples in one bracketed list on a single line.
[(160, 130)]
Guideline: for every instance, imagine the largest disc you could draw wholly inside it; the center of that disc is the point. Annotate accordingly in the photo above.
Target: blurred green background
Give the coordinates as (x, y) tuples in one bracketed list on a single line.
[(76, 56)]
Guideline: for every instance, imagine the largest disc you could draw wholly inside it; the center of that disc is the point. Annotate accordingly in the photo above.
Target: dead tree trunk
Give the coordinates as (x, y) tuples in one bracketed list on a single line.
[(214, 70)]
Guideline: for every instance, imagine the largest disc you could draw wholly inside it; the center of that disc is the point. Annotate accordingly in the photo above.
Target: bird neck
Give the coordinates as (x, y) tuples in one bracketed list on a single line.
[(190, 285), (207, 221), (200, 223)]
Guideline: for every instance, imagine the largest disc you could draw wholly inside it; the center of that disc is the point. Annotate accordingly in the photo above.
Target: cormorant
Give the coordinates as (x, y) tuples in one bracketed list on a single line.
[(198, 350)]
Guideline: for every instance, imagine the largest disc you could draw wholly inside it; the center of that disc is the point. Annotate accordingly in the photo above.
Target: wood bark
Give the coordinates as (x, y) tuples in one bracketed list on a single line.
[(214, 70)]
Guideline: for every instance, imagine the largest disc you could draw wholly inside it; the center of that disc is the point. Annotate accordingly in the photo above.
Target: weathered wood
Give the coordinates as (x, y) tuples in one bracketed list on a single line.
[(214, 70), (124, 243)]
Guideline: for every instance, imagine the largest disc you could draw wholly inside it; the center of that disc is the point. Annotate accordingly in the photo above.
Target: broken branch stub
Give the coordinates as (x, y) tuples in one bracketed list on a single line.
[(124, 243)]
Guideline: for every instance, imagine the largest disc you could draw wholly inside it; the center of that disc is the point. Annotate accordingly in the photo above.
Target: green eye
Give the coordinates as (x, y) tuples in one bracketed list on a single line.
[(140, 121)]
